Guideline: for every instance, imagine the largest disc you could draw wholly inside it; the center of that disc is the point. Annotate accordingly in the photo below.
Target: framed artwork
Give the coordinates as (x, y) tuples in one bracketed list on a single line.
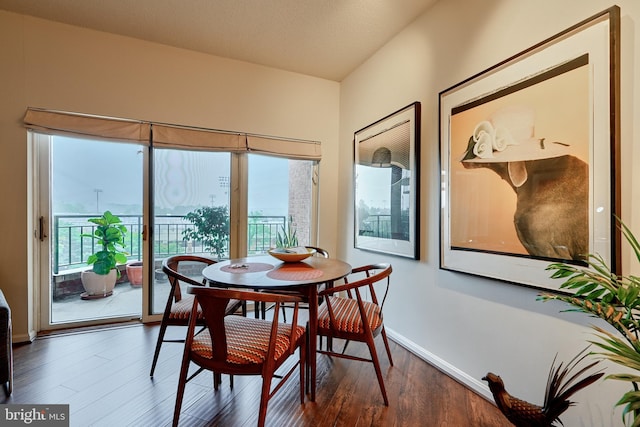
[(386, 183), (529, 159)]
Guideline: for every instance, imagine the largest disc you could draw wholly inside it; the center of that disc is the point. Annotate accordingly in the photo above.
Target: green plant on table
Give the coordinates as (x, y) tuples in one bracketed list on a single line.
[(110, 236), (288, 236), (599, 292)]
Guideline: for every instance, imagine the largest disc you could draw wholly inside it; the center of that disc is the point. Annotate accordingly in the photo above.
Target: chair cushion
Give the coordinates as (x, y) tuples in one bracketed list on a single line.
[(182, 309), (347, 315), (247, 340)]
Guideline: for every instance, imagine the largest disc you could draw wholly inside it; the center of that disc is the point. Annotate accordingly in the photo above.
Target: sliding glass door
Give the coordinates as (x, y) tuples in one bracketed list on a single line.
[(80, 180), (170, 189), (191, 200)]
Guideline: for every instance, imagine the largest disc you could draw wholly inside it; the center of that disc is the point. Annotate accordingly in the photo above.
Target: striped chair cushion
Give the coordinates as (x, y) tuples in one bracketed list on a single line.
[(182, 308), (347, 315), (247, 340)]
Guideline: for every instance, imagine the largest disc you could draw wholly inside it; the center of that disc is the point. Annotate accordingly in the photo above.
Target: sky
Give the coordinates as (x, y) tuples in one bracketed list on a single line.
[(95, 176)]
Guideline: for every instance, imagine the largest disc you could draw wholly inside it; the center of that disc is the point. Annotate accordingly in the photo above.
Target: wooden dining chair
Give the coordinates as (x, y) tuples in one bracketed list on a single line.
[(238, 345), (353, 318), (183, 268), (319, 252)]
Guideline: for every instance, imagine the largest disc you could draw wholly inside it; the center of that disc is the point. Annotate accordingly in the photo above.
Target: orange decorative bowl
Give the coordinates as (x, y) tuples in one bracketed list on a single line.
[(288, 255)]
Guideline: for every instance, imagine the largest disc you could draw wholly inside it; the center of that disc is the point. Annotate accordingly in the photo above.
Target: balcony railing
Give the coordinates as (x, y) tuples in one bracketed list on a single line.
[(71, 249), (380, 226)]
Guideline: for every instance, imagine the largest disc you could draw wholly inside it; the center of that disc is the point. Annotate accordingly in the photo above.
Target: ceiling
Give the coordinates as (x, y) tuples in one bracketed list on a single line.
[(322, 38)]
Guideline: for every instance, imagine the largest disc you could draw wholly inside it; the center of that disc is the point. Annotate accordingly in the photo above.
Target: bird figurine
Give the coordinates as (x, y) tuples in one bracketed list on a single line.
[(560, 387)]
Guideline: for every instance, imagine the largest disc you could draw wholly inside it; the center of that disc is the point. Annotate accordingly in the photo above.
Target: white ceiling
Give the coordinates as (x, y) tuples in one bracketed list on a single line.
[(322, 38)]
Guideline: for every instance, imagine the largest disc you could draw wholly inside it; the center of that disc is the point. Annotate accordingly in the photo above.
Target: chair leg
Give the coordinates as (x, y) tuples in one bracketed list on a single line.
[(163, 329), (284, 314), (386, 345), (303, 368), (264, 399), (184, 370), (376, 363)]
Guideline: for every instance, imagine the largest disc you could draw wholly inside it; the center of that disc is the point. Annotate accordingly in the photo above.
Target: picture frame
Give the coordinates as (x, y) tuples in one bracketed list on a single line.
[(529, 154), (387, 184)]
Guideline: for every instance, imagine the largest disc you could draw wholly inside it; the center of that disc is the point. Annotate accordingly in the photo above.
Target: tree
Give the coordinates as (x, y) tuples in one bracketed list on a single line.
[(210, 226)]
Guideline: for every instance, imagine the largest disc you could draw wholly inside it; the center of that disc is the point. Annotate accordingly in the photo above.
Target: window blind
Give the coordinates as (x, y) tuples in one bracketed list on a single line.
[(171, 136), (291, 149), (168, 135), (59, 122)]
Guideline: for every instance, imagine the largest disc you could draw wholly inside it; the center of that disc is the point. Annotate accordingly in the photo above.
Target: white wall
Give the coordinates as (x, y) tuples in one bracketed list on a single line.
[(466, 324), (55, 66)]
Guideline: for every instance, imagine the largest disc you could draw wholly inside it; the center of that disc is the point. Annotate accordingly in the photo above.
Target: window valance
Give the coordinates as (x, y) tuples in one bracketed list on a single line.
[(168, 135), (60, 122), (292, 149)]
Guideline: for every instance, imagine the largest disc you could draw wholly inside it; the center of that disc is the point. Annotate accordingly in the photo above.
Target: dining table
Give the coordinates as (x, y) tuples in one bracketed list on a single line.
[(267, 273)]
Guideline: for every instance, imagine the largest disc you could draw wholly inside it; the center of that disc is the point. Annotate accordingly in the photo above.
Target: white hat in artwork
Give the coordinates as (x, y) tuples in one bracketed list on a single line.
[(508, 136)]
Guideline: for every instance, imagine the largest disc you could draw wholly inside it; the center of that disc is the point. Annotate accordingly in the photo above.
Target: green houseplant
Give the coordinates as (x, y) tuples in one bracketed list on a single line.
[(109, 235), (599, 292), (210, 226), (287, 237)]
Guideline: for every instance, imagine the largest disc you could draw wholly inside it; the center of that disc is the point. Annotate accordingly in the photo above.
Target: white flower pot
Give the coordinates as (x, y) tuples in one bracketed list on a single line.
[(98, 285)]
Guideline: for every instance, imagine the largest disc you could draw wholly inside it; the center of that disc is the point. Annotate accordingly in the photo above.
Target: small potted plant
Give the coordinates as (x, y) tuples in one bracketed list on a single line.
[(109, 236), (289, 236), (287, 248), (211, 227), (134, 273)]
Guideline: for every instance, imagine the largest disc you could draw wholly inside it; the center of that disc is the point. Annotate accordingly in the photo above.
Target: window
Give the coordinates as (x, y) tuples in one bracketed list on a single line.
[(247, 187)]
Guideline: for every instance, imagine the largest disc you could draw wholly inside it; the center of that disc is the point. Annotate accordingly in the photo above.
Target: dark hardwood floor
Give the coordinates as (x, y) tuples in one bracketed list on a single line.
[(104, 376)]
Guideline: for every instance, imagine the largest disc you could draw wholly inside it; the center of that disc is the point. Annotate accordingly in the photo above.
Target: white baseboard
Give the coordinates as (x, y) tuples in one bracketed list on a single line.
[(442, 365)]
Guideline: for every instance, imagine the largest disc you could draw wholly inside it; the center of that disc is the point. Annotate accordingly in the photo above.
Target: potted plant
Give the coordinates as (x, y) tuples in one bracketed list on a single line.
[(109, 235), (287, 248), (134, 273), (599, 292), (211, 227), (289, 236)]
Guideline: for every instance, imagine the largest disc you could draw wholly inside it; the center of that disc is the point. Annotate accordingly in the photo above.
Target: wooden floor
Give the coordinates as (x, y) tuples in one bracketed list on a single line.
[(104, 376)]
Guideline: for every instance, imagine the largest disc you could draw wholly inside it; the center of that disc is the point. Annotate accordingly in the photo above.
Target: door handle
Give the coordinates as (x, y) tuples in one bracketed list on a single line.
[(41, 224)]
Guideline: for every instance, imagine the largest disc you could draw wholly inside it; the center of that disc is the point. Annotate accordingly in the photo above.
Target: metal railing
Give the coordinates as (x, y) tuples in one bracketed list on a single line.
[(71, 249), (380, 226)]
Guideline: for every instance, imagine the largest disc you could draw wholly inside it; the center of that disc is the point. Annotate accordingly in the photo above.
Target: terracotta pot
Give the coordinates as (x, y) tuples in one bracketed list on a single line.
[(134, 273), (98, 285)]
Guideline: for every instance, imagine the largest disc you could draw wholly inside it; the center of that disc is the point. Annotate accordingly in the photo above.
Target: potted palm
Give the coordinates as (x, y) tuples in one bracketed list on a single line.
[(109, 235), (600, 293)]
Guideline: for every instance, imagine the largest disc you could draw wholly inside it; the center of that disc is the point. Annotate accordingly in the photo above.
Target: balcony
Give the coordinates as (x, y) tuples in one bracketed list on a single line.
[(71, 249)]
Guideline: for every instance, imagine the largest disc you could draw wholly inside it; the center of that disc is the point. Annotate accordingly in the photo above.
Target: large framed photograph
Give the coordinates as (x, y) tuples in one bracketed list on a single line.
[(386, 183), (529, 157)]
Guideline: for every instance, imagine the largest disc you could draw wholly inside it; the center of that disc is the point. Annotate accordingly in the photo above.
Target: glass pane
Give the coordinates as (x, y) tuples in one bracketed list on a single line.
[(191, 202), (280, 191), (89, 177)]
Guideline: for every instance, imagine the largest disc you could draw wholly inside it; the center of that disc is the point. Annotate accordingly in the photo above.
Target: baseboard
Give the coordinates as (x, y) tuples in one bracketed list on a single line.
[(442, 365), (24, 338)]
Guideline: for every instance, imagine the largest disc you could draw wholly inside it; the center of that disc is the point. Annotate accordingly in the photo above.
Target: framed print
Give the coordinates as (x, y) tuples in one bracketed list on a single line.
[(386, 179), (529, 159)]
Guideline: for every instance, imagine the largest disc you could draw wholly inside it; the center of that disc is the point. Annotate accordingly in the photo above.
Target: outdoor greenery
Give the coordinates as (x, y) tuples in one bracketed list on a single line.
[(288, 236), (211, 227), (109, 235), (599, 292)]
